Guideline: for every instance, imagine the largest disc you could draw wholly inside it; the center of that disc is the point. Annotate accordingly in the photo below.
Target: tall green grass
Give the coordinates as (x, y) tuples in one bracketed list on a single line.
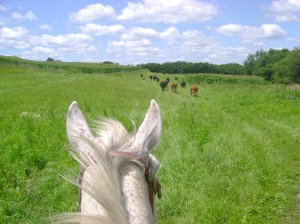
[(75, 67), (225, 79), (230, 155)]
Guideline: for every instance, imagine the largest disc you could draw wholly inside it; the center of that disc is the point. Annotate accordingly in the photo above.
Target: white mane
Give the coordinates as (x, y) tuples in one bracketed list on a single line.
[(101, 182)]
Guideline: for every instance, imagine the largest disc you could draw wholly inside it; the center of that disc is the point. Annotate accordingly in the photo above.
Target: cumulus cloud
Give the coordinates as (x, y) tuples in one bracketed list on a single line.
[(99, 30), (171, 35), (252, 33), (145, 45), (92, 12), (27, 16), (169, 11), (44, 50), (137, 33), (195, 39), (285, 6), (141, 47), (13, 37), (36, 53), (66, 40), (196, 46), (285, 10), (67, 43), (12, 33), (13, 44), (137, 43)]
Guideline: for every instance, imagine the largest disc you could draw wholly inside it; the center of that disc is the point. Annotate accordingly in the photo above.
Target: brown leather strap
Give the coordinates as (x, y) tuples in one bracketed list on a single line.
[(79, 181)]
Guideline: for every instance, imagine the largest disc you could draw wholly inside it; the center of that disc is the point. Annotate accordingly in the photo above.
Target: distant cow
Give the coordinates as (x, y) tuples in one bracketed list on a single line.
[(183, 84), (155, 78), (193, 90), (166, 82), (174, 87), (162, 85)]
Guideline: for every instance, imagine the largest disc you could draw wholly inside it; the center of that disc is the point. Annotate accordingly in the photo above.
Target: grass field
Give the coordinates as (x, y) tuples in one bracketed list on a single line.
[(230, 155)]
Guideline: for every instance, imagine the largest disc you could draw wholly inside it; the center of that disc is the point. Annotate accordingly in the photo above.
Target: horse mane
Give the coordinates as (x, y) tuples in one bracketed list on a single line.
[(105, 185)]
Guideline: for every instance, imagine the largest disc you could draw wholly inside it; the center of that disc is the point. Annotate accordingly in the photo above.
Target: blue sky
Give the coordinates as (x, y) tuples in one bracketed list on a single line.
[(142, 31)]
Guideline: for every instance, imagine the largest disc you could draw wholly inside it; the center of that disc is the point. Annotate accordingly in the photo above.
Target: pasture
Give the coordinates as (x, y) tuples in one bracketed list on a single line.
[(229, 155)]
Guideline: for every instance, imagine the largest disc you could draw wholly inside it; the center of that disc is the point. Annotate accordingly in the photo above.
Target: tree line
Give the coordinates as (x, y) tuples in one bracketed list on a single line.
[(280, 66), (182, 67)]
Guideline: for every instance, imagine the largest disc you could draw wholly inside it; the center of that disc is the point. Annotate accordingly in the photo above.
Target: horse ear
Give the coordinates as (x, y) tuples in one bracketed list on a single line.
[(149, 132), (78, 131)]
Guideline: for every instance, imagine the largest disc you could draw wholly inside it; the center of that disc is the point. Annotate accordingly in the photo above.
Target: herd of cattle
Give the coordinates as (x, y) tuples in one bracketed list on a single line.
[(164, 84)]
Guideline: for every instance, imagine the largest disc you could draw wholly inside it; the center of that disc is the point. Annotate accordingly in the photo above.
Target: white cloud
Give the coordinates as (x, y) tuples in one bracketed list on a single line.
[(285, 10), (16, 15), (13, 37), (286, 18), (191, 45), (91, 13), (197, 46), (252, 33), (67, 40), (12, 33), (43, 50), (13, 44), (68, 43), (137, 33), (172, 35), (28, 16), (99, 30), (169, 11), (80, 50), (196, 39), (39, 53), (141, 47), (45, 27), (285, 6)]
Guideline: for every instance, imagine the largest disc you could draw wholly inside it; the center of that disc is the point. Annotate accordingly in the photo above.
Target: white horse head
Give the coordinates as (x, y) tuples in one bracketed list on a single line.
[(117, 182)]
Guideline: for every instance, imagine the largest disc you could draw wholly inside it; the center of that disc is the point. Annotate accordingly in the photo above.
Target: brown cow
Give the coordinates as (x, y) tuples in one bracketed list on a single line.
[(166, 82), (193, 90), (174, 87)]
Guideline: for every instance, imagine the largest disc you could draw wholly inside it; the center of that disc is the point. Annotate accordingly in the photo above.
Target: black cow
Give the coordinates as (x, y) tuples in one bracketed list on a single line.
[(162, 85), (183, 84)]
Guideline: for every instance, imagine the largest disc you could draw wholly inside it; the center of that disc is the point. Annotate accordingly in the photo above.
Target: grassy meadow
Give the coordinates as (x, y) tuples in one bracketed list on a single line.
[(230, 155)]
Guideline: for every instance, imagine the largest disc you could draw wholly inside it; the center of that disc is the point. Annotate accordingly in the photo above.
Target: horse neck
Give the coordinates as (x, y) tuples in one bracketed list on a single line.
[(135, 195)]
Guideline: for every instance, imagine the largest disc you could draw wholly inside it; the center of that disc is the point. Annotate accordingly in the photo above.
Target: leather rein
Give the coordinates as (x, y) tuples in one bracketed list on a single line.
[(154, 186)]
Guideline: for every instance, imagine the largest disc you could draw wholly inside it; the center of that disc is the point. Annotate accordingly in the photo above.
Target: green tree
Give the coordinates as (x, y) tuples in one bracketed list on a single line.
[(288, 69), (250, 62), (294, 65)]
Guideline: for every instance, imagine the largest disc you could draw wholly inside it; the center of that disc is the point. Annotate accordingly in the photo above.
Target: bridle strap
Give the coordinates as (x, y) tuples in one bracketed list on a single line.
[(79, 181), (127, 154)]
